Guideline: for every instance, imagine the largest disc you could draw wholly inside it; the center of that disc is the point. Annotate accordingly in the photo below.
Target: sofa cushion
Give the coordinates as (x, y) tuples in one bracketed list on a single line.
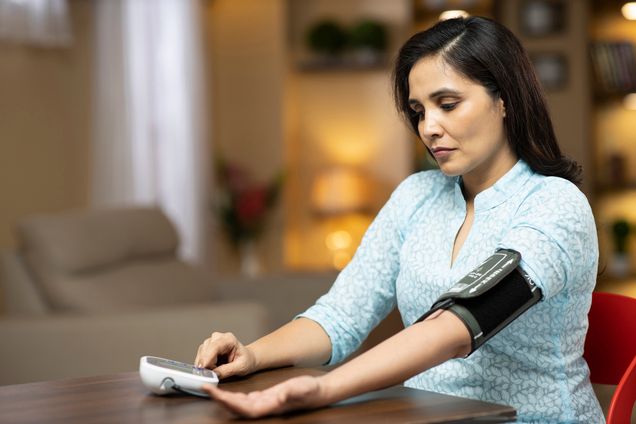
[(109, 260), (80, 240), (129, 286)]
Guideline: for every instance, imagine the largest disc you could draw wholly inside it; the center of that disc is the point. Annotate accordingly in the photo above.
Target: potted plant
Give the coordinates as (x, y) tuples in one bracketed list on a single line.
[(619, 263), (243, 206), (327, 40), (368, 39)]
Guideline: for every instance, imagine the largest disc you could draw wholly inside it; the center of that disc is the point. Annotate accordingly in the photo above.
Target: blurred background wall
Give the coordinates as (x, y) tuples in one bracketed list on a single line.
[(45, 124)]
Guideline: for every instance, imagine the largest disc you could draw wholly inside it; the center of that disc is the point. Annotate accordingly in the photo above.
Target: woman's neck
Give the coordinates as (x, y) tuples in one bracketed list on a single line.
[(478, 180)]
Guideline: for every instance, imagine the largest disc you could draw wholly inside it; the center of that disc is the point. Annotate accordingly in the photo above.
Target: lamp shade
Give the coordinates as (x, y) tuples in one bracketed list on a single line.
[(340, 190)]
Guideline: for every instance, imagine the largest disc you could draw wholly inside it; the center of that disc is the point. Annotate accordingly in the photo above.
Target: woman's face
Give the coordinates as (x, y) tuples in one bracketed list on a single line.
[(459, 122)]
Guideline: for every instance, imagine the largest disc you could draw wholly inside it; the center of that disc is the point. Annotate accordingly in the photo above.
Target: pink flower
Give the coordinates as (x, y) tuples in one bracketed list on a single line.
[(251, 205), (241, 203)]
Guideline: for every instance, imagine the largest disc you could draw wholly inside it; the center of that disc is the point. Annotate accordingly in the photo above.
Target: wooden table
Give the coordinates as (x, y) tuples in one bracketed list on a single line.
[(121, 398)]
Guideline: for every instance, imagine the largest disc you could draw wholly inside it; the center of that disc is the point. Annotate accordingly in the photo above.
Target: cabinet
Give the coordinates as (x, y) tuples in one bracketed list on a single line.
[(612, 41)]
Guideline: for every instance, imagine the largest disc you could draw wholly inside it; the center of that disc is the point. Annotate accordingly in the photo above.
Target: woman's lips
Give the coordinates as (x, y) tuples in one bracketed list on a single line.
[(442, 152)]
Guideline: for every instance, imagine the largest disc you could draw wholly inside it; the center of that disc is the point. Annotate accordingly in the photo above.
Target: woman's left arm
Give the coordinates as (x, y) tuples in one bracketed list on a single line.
[(417, 348)]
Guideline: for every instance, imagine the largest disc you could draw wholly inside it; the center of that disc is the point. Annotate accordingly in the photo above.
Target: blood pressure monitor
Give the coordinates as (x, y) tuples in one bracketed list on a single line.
[(165, 376)]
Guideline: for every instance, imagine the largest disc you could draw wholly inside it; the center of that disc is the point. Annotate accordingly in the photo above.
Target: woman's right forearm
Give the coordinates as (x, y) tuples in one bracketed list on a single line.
[(299, 342)]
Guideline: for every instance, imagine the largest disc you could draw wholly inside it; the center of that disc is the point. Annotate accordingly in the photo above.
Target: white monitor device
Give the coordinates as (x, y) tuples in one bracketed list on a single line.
[(165, 376)]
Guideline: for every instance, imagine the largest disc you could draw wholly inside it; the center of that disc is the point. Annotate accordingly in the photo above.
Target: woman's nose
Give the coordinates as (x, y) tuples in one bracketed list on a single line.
[(430, 128)]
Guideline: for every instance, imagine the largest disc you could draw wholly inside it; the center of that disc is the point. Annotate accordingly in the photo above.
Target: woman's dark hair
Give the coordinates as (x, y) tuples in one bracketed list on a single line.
[(488, 53)]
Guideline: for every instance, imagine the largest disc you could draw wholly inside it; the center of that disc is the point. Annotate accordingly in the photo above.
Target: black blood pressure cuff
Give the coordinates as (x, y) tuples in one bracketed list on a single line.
[(490, 297)]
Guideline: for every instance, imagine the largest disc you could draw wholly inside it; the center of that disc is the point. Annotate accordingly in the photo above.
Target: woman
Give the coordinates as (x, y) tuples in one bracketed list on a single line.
[(468, 90)]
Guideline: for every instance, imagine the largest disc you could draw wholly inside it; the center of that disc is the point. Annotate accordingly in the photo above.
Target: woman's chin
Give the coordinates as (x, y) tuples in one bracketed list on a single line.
[(450, 170)]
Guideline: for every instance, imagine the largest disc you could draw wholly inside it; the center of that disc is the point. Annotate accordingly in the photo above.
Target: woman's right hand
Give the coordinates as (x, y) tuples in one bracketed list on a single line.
[(223, 353)]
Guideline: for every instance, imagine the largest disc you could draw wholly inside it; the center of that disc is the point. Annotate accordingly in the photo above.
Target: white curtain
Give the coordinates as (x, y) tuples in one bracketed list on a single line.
[(149, 141), (38, 22)]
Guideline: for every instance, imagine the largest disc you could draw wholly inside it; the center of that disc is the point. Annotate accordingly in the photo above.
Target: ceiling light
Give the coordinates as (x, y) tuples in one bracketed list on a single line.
[(450, 14), (629, 11)]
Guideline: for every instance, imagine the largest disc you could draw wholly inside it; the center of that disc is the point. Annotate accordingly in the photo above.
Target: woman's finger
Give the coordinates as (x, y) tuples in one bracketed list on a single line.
[(208, 357), (253, 405), (197, 358), (232, 368), (238, 403), (296, 393)]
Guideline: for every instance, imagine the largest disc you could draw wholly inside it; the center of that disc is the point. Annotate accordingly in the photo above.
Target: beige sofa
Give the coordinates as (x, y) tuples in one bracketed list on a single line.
[(89, 293)]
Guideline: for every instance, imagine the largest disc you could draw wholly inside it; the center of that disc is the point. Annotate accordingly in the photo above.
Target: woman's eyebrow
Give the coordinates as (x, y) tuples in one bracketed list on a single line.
[(442, 92)]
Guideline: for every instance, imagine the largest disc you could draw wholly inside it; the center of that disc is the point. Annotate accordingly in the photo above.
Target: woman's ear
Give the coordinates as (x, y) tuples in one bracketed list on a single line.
[(502, 107)]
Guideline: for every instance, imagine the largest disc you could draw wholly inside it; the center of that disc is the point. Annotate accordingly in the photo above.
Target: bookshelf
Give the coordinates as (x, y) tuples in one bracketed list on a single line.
[(612, 49), (614, 67)]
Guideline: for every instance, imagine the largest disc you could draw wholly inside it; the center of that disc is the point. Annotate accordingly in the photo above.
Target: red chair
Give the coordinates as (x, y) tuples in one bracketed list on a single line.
[(610, 351)]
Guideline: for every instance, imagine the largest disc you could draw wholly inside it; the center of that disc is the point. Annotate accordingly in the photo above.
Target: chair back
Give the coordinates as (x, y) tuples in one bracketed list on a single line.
[(610, 350)]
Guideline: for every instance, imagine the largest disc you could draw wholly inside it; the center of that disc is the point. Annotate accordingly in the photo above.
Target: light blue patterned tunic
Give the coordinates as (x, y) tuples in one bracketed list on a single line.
[(535, 363)]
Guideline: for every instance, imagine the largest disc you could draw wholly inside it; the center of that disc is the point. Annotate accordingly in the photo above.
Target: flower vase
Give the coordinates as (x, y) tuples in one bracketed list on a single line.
[(249, 260), (619, 264)]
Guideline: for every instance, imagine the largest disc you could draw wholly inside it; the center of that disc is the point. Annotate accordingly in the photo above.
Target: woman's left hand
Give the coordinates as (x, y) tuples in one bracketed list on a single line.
[(297, 393)]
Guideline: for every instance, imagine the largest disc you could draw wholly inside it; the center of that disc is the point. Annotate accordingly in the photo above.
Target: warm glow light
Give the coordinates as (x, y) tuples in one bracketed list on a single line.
[(339, 190), (450, 14), (352, 143), (349, 150), (629, 10), (629, 102), (341, 259), (338, 240)]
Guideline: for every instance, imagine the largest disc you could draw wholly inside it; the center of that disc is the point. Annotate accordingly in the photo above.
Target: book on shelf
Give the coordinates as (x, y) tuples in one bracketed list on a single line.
[(614, 64)]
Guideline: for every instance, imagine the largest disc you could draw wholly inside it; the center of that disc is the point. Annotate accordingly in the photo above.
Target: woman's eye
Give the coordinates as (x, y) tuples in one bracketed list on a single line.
[(448, 106)]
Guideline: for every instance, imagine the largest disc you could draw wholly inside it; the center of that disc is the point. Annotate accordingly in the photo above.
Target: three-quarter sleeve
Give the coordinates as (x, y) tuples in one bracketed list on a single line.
[(555, 233), (364, 292)]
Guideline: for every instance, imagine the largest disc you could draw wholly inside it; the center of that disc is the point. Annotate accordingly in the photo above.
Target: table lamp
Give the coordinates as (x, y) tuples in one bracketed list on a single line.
[(340, 192)]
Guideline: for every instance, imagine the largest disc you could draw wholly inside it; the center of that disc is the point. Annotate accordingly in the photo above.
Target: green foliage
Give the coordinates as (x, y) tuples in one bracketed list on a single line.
[(327, 36), (620, 231), (368, 34)]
